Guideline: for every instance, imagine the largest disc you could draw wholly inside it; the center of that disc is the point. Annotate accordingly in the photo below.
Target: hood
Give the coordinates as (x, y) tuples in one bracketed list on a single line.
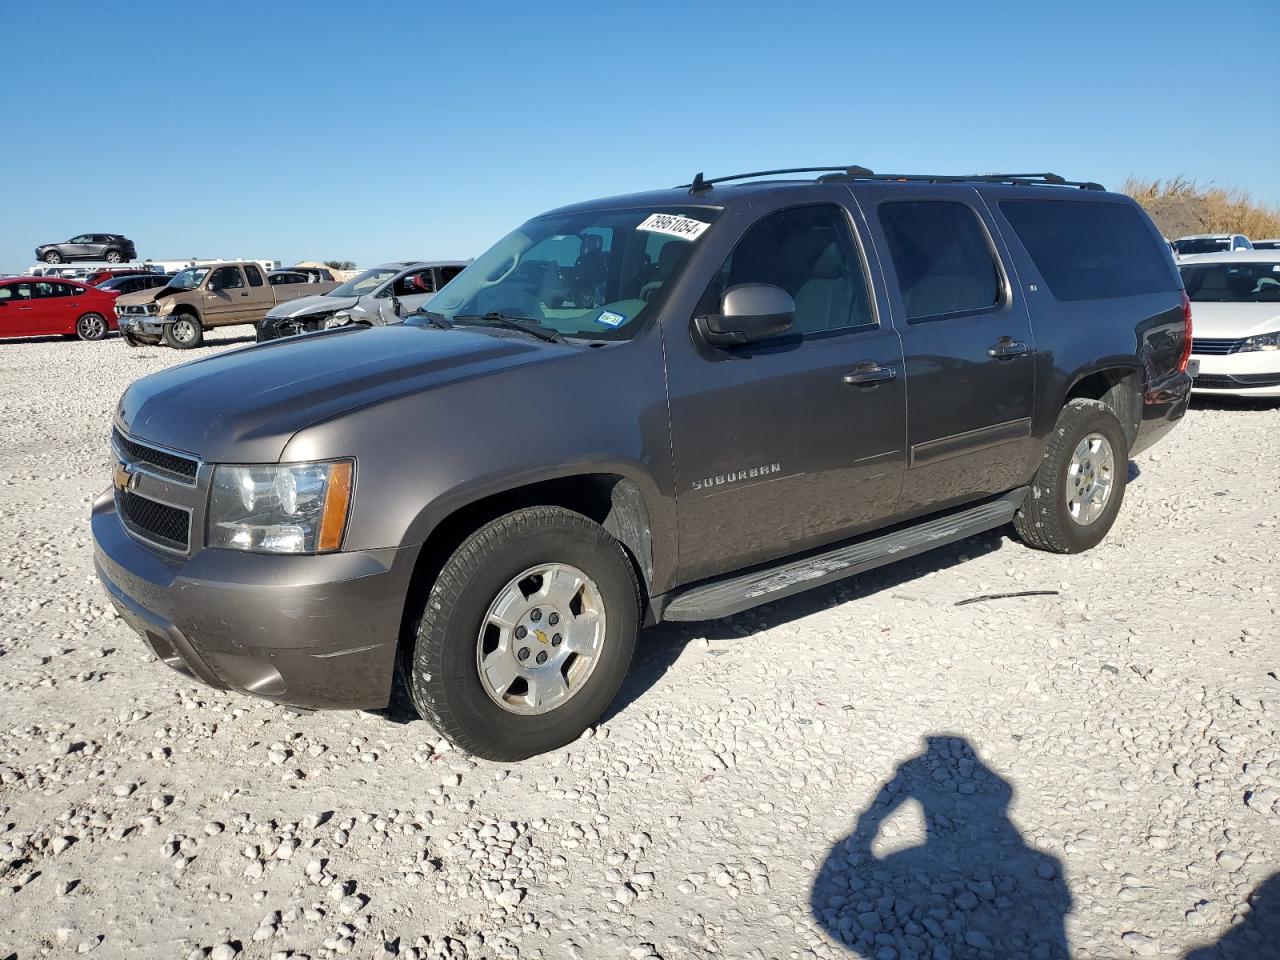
[(316, 303), (243, 406), (1233, 320), (139, 297)]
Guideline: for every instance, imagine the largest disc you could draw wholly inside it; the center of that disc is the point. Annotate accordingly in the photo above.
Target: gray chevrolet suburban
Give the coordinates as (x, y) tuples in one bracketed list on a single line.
[(668, 406)]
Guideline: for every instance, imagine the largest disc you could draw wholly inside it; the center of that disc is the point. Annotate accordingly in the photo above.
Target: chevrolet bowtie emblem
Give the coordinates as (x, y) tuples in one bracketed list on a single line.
[(124, 477), (542, 637)]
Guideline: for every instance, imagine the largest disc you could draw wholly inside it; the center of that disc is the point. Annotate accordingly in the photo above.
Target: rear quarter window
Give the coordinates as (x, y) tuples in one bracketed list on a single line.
[(1090, 250)]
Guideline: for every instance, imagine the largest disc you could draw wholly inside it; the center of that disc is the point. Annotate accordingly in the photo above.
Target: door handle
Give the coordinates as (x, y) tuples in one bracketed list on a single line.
[(245, 294), (1007, 347), (869, 373)]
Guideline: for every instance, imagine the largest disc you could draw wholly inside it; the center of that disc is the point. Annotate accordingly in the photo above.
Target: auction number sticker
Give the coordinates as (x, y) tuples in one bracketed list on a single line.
[(611, 320), (674, 225)]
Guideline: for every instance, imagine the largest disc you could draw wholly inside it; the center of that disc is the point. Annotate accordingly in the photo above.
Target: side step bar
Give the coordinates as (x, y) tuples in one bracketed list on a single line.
[(738, 592)]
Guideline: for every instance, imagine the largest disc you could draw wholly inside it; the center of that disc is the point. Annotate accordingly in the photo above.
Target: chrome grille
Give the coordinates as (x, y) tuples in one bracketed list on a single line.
[(1214, 347)]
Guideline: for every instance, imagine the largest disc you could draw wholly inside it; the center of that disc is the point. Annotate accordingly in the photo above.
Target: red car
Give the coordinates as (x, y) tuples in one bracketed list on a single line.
[(98, 276), (38, 306)]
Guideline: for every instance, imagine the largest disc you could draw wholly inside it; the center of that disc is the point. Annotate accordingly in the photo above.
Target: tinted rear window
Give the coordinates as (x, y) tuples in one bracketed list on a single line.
[(1090, 250), (942, 258)]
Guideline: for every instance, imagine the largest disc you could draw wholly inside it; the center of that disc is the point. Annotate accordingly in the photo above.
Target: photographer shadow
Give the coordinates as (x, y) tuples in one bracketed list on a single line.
[(973, 888), (1257, 936)]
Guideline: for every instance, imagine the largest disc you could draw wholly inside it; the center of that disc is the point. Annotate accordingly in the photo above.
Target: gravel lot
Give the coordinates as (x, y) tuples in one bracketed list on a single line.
[(868, 770)]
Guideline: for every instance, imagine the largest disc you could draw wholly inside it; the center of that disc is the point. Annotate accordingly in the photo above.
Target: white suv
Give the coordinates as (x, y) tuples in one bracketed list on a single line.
[(1211, 243)]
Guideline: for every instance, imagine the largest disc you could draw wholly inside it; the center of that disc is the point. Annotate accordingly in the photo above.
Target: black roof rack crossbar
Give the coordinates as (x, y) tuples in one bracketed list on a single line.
[(844, 173)]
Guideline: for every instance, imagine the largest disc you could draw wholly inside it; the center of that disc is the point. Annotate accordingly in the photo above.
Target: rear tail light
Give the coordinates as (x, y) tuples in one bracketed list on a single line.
[(1186, 333)]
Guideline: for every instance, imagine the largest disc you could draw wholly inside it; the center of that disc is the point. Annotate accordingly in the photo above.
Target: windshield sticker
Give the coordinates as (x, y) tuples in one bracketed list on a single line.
[(610, 320), (674, 225)]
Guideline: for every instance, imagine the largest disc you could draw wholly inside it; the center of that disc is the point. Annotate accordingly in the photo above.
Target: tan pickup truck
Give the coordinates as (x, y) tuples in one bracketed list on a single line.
[(211, 295)]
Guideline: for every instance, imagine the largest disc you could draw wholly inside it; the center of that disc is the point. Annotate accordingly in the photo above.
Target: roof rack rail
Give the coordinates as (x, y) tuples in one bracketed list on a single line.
[(840, 174)]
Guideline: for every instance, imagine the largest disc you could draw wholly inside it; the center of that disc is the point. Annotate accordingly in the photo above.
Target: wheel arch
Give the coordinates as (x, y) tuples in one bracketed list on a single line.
[(613, 500), (1119, 387)]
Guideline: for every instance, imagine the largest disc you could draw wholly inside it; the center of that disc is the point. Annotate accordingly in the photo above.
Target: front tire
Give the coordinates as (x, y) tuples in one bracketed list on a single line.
[(526, 635), (53, 256), (91, 327), (1080, 485), (184, 332)]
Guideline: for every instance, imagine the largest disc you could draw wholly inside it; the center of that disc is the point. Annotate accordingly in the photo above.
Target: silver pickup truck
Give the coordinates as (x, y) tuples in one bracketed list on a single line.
[(214, 295)]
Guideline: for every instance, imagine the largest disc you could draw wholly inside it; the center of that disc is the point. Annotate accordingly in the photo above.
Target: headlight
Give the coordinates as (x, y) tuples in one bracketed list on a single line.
[(1263, 341), (282, 508)]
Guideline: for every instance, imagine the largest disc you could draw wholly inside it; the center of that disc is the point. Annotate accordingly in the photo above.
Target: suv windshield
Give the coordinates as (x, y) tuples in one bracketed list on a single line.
[(594, 274), (1202, 245), (189, 279), (364, 283), (1233, 282)]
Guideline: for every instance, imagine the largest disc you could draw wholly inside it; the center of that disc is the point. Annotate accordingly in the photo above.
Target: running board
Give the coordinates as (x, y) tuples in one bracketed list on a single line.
[(726, 596)]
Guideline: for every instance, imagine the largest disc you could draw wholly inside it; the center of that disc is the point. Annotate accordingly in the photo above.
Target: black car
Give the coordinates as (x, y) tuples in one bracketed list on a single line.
[(109, 247), (673, 405), (132, 284), (277, 277), (313, 274)]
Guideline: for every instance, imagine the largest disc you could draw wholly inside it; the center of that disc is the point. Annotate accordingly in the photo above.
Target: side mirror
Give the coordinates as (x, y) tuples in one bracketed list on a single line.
[(748, 312)]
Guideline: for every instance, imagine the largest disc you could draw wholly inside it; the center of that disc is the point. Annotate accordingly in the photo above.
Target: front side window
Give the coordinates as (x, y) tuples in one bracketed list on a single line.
[(226, 278), (1232, 282), (941, 256), (808, 252), (416, 283), (1090, 250), (87, 238), (586, 274)]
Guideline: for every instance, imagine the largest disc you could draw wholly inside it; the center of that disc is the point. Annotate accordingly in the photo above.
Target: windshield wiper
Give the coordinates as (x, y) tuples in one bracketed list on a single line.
[(529, 325)]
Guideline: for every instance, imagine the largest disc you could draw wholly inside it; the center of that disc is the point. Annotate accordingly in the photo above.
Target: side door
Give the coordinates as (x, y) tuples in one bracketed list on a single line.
[(53, 308), (967, 341), (796, 441), (18, 310), (79, 248), (225, 296), (261, 298)]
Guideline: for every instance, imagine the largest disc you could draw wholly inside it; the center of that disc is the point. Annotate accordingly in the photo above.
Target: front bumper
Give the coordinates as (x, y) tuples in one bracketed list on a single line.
[(307, 631), (1163, 404), (1255, 373), (141, 325)]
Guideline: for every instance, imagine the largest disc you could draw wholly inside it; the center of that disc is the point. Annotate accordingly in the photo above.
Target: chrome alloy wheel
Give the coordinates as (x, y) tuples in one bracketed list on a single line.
[(1090, 477), (91, 327), (541, 639), (184, 330)]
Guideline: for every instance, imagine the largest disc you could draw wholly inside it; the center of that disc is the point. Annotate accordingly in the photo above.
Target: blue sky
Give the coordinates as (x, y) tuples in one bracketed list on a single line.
[(374, 132)]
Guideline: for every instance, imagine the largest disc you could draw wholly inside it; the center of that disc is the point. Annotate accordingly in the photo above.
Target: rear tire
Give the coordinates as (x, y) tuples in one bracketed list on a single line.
[(184, 332), (113, 256), (1080, 485), (523, 570), (91, 327)]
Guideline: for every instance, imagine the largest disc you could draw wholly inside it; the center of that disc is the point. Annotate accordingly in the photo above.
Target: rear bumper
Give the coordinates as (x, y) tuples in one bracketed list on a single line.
[(1163, 404), (314, 632)]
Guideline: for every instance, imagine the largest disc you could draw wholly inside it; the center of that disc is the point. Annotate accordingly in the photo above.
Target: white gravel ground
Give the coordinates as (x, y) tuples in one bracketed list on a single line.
[(866, 771)]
